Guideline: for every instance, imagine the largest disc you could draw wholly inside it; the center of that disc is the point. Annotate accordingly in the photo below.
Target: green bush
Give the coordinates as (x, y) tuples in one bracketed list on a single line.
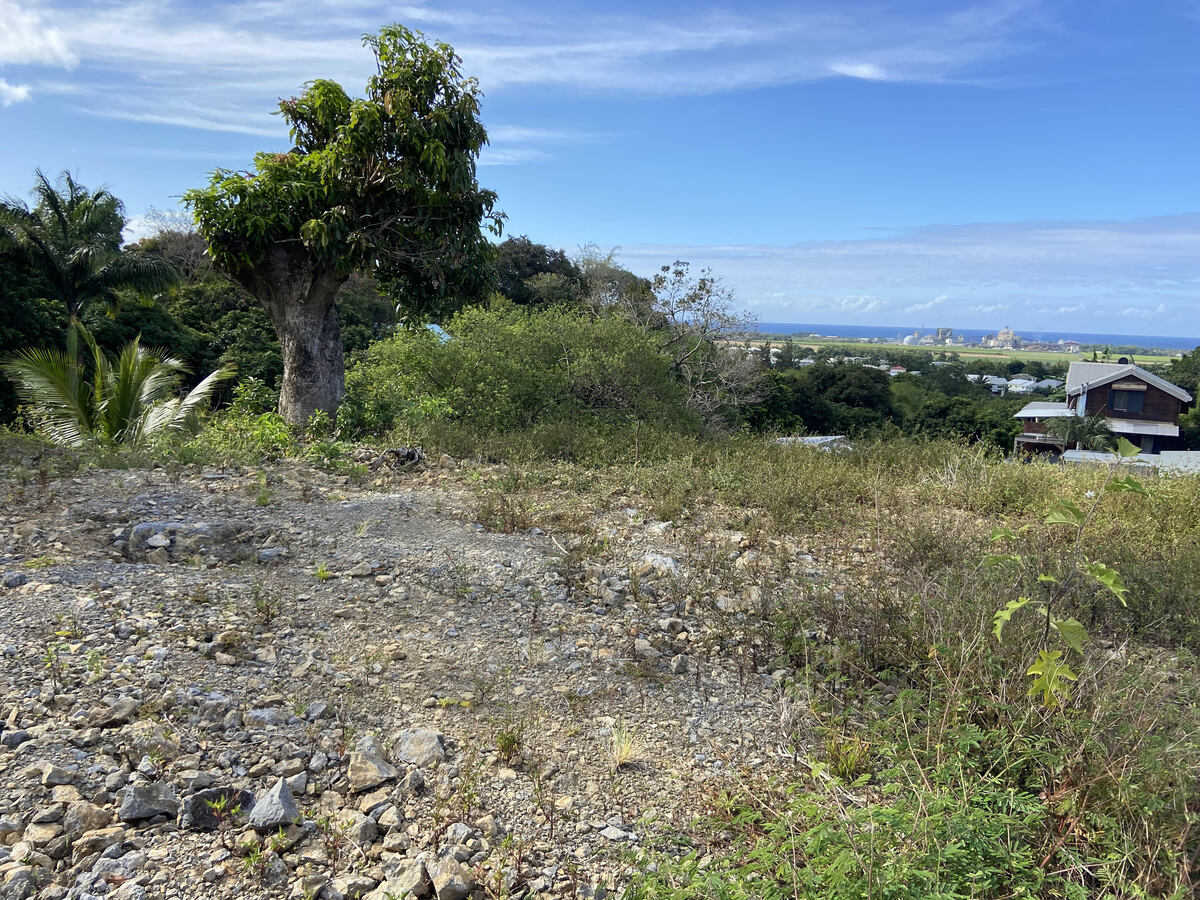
[(508, 367)]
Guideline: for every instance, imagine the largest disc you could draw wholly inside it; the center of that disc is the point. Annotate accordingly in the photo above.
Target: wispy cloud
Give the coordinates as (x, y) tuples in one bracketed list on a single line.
[(928, 305), (222, 66), (1045, 274)]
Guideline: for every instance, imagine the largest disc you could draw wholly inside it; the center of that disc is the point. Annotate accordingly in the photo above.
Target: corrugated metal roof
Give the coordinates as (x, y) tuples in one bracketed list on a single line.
[(1131, 426), (1043, 409), (1090, 375)]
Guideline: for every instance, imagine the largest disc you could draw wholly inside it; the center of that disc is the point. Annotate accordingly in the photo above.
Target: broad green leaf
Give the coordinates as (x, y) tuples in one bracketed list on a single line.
[(1072, 632), (1000, 619), (1053, 677), (1065, 512), (1048, 578), (999, 559), (1126, 449), (1108, 577), (1001, 534), (1128, 483)]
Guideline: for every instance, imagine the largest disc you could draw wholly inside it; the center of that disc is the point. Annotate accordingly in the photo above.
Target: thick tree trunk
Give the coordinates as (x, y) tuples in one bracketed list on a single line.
[(298, 296)]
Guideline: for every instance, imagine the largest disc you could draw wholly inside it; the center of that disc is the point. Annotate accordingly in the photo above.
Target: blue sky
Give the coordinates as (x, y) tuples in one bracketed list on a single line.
[(1026, 162)]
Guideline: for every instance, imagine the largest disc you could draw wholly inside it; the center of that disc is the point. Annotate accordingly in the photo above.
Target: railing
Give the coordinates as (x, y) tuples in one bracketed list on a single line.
[(1031, 437)]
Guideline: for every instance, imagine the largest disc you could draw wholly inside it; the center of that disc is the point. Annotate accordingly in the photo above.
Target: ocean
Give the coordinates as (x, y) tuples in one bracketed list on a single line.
[(891, 332)]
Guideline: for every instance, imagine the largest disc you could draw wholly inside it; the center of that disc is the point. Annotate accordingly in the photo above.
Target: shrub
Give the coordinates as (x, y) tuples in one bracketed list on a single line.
[(507, 367)]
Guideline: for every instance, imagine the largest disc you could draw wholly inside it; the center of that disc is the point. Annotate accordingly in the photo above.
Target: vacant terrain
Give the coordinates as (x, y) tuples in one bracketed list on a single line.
[(166, 635), (434, 677)]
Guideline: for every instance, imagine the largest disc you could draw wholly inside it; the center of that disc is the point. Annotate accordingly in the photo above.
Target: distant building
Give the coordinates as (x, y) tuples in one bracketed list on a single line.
[(1140, 407)]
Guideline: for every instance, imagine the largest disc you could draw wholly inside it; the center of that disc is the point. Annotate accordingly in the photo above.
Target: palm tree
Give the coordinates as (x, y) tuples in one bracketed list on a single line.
[(130, 397), (73, 236), (1085, 432)]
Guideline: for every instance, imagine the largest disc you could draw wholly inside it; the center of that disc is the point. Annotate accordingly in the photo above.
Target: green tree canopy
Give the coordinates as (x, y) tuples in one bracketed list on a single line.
[(385, 183), (532, 274), (72, 238)]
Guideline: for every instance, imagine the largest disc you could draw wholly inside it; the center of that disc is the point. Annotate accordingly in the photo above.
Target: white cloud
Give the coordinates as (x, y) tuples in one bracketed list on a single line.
[(26, 39), (989, 309), (1069, 310), (13, 93)]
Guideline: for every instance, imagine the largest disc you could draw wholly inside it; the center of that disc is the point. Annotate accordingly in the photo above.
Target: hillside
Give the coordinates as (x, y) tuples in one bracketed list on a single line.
[(471, 679)]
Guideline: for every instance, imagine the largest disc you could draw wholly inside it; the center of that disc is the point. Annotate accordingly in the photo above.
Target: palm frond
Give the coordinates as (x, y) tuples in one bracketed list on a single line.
[(48, 380), (145, 275)]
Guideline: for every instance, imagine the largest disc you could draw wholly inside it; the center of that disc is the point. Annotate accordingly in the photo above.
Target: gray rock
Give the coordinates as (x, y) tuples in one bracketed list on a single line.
[(14, 579), (419, 747), (407, 879), (366, 771), (272, 554), (52, 775), (318, 709), (274, 808), (119, 713), (263, 718), (354, 886), (210, 809), (680, 665), (643, 649), (13, 739), (450, 879), (145, 801), (357, 827), (20, 883), (130, 890), (82, 816)]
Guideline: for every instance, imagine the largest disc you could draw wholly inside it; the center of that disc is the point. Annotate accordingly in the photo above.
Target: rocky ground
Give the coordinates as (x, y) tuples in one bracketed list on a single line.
[(282, 683)]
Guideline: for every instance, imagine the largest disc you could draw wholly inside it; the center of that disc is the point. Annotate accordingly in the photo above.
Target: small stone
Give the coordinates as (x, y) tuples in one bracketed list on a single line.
[(158, 540), (419, 747), (367, 771), (99, 839), (119, 713), (354, 886), (145, 801), (450, 880), (680, 665), (57, 775), (210, 809), (357, 827), (613, 833), (643, 649), (82, 816), (14, 579), (274, 808), (13, 739), (158, 557)]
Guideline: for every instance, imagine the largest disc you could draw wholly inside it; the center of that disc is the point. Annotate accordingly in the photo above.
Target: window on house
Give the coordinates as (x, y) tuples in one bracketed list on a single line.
[(1125, 401)]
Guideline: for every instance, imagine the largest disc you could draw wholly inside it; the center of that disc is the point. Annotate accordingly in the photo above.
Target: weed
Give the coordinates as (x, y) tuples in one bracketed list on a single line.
[(322, 572), (625, 747)]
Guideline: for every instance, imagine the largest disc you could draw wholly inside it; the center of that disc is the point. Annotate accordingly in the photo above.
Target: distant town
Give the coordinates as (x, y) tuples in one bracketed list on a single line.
[(1004, 339)]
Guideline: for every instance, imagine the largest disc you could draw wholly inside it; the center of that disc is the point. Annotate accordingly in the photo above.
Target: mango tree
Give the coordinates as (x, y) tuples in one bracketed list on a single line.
[(384, 184)]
